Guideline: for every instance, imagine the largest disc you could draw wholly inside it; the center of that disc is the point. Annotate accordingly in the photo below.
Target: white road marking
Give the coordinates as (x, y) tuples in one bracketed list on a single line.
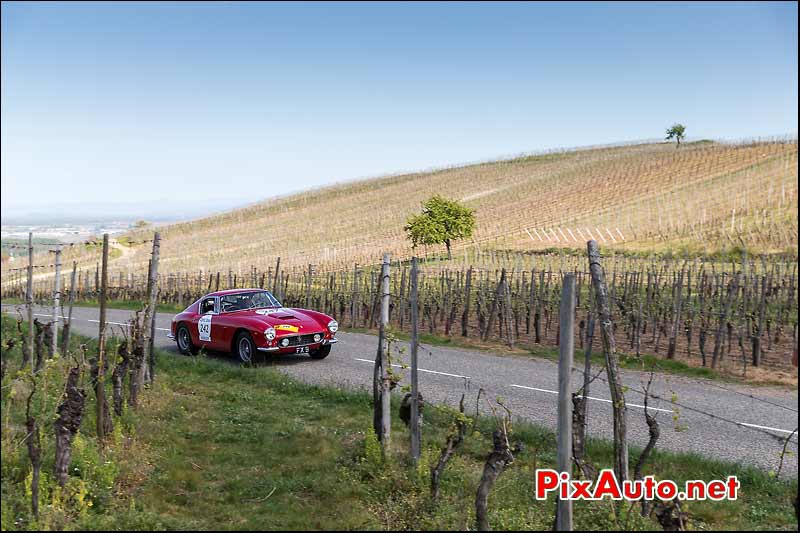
[(651, 408), (420, 369), (592, 398), (766, 427), (96, 321), (107, 322)]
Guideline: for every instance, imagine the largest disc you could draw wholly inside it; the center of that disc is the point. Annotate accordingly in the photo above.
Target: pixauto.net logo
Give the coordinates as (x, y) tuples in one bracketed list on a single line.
[(607, 485)]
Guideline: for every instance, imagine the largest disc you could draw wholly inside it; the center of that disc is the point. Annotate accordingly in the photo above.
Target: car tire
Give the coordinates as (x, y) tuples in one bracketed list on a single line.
[(184, 340), (245, 348), (321, 353)]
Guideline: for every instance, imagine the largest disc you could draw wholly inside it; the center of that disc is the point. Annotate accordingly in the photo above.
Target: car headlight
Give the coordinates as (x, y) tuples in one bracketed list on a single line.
[(333, 326), (317, 337), (269, 333)]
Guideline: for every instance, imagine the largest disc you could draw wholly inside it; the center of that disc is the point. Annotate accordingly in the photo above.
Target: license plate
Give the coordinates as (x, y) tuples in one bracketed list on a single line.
[(301, 349)]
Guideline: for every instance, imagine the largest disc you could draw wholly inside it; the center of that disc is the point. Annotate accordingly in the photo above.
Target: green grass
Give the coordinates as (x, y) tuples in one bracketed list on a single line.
[(217, 445)]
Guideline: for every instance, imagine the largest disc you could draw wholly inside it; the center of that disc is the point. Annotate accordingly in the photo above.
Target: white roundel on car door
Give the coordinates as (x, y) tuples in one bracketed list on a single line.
[(204, 328)]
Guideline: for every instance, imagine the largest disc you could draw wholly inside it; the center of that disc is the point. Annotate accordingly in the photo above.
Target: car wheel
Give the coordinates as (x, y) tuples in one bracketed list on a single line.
[(321, 353), (184, 340), (245, 348)]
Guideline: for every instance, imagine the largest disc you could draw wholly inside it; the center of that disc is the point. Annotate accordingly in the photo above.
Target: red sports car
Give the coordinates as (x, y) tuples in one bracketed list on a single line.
[(248, 321)]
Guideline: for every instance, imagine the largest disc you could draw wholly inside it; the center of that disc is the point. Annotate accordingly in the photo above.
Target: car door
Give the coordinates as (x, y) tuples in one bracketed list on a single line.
[(226, 323), (203, 333)]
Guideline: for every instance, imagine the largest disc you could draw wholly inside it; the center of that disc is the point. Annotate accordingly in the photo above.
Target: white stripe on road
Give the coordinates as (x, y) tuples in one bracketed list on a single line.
[(107, 322), (628, 404), (651, 408), (97, 321), (420, 369), (767, 427)]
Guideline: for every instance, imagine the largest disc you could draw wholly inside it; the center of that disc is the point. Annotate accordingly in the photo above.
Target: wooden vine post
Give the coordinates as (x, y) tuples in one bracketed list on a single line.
[(149, 311), (612, 363), (100, 390), (29, 299), (465, 315), (308, 285), (414, 424), (756, 342), (71, 302), (498, 297), (275, 279), (386, 407), (56, 301), (566, 352), (151, 361)]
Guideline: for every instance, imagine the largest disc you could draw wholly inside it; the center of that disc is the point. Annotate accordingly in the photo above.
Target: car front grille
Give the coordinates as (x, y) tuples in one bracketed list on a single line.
[(302, 340)]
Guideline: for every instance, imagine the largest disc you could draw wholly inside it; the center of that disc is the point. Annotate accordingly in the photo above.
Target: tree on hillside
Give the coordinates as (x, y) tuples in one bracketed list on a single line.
[(677, 132), (440, 222)]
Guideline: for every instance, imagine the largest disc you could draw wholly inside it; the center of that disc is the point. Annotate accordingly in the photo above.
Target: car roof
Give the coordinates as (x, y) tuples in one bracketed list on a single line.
[(232, 291)]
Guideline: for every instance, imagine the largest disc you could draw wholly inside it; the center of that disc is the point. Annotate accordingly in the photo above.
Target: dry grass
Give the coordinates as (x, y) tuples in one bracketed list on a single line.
[(703, 197)]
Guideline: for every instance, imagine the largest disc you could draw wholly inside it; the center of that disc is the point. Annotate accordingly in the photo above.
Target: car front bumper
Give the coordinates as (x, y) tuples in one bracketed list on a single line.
[(293, 349)]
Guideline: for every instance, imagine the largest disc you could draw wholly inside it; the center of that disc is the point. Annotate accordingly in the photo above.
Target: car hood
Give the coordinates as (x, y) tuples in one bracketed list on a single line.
[(285, 321)]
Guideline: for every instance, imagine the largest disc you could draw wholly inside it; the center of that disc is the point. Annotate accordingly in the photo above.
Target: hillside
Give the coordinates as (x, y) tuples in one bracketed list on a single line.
[(704, 197)]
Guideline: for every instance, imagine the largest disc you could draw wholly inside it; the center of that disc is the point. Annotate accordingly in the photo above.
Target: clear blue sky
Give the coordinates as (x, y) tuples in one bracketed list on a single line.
[(169, 105)]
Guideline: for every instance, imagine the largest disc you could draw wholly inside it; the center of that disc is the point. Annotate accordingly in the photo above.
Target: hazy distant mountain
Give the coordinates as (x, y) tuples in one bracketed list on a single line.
[(83, 213)]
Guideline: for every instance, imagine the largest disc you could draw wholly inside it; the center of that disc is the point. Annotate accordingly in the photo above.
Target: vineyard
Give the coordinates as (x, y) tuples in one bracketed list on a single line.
[(700, 247), (723, 315), (706, 197)]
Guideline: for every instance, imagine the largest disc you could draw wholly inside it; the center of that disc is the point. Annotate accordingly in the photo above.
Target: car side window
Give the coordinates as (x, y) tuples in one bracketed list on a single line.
[(207, 306), (231, 303)]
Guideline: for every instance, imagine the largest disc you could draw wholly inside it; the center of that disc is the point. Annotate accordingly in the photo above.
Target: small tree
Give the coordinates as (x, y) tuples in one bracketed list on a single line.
[(440, 222), (677, 132)]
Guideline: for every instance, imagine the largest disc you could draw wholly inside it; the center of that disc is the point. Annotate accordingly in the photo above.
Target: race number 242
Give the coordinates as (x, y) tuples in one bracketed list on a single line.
[(204, 328)]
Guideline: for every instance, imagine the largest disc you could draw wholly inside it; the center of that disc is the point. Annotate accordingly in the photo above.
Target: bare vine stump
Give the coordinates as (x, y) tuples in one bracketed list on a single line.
[(405, 408), (107, 425), (118, 377), (70, 413), (670, 516), (496, 463), (24, 338), (579, 437), (654, 433), (454, 440), (34, 452), (39, 343)]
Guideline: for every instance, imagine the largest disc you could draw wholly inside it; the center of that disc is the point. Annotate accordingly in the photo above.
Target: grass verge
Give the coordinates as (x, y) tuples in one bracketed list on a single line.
[(218, 446)]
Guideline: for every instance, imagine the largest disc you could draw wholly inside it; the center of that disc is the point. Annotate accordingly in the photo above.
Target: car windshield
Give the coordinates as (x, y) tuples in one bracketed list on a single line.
[(248, 300)]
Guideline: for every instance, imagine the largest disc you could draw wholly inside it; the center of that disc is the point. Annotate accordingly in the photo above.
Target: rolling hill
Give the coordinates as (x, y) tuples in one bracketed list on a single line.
[(704, 197)]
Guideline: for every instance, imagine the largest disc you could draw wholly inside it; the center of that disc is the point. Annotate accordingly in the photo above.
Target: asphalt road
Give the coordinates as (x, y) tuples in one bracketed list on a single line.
[(743, 429)]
